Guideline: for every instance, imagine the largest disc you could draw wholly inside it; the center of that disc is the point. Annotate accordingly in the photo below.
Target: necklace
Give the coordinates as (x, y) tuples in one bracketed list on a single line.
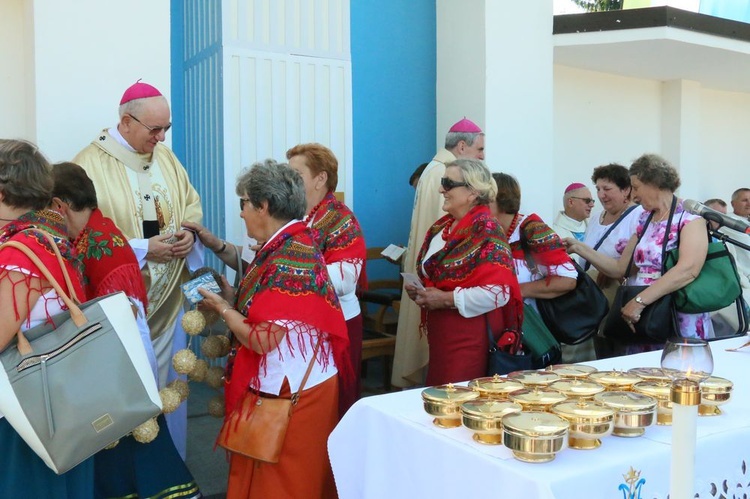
[(512, 226)]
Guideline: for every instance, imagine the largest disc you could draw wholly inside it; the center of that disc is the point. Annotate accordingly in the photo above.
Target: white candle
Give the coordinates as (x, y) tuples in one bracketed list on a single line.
[(682, 472)]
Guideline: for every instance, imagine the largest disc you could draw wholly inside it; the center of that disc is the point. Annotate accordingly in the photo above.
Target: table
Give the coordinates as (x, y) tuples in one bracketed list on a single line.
[(387, 447)]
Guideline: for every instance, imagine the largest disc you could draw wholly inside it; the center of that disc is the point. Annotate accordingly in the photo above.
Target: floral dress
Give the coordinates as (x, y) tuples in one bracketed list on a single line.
[(647, 257)]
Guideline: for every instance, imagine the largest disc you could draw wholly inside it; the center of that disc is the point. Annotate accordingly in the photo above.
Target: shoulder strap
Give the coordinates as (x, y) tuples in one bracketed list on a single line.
[(76, 314), (609, 231), (664, 242), (296, 396), (530, 263)]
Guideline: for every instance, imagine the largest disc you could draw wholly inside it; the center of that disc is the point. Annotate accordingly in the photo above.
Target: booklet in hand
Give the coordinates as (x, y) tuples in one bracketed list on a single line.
[(205, 281)]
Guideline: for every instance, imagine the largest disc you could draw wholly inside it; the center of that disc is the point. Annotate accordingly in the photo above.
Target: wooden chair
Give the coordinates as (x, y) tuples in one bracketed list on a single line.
[(380, 305)]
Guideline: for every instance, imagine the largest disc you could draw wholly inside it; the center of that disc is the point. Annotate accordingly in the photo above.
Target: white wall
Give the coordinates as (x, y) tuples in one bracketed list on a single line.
[(461, 55), (724, 144), (82, 55), (13, 94), (602, 118), (599, 119)]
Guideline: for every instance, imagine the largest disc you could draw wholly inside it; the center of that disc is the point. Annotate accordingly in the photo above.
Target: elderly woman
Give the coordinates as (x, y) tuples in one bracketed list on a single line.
[(339, 237), (609, 231), (27, 300), (285, 308), (129, 469), (543, 267), (654, 182), (466, 268)]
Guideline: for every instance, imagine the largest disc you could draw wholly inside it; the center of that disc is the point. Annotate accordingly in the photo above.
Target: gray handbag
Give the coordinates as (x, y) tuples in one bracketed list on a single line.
[(86, 381)]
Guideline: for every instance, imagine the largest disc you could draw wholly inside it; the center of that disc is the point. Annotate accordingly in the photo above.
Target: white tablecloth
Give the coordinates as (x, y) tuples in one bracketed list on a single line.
[(386, 447)]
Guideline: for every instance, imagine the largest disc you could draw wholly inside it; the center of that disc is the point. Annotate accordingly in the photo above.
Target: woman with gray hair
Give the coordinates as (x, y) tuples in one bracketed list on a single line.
[(654, 182), (285, 311), (467, 270)]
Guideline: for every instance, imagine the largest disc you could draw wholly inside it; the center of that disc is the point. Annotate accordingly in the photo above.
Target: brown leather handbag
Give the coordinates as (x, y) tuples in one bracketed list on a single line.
[(258, 427)]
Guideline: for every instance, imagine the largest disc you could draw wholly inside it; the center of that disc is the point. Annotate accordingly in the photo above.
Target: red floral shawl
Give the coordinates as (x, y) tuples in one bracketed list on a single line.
[(338, 234), (544, 245), (476, 253), (286, 281), (52, 223), (109, 263)]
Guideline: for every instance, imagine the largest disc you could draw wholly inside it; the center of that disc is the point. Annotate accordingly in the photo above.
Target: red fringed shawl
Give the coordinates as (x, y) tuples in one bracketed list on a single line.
[(108, 260), (286, 281), (475, 254), (338, 234), (52, 223), (543, 243)]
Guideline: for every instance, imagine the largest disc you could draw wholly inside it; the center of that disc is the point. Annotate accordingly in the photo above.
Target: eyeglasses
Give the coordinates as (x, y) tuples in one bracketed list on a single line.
[(585, 200), (449, 184), (153, 130), (242, 203)]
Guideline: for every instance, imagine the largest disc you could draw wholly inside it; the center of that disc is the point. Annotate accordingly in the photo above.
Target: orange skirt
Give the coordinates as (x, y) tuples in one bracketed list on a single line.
[(303, 470)]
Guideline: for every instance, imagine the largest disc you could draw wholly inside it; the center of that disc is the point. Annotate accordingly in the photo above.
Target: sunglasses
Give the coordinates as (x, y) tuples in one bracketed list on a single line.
[(448, 184), (242, 203), (153, 130), (585, 200)]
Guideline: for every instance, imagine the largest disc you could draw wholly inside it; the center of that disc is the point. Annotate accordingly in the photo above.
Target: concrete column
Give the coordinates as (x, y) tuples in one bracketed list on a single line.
[(495, 65), (680, 130)]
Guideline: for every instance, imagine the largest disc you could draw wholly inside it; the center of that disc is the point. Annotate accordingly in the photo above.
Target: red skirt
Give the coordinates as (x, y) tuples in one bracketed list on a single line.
[(458, 347), (349, 391), (303, 470)]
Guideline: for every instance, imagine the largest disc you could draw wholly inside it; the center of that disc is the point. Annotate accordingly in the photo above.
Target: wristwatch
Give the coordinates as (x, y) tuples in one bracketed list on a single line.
[(639, 300)]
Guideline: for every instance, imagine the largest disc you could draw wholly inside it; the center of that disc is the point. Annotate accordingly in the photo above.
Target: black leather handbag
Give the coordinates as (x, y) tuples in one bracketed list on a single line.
[(657, 323), (574, 317), (658, 320)]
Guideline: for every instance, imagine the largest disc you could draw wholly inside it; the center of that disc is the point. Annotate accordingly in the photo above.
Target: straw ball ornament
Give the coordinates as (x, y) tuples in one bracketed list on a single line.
[(210, 316), (146, 432), (212, 347), (199, 371), (226, 345), (193, 322), (184, 361), (216, 406), (181, 387), (215, 377), (170, 399), (112, 445)]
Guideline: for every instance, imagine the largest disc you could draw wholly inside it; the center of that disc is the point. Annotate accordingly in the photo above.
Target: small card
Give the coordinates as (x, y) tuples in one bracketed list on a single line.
[(412, 280), (393, 252), (205, 281)]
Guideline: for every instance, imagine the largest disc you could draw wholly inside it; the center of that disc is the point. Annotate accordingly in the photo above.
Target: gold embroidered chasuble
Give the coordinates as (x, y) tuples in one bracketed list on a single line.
[(131, 187)]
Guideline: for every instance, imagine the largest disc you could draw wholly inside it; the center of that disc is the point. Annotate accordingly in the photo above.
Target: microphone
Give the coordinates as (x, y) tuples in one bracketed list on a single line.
[(714, 216)]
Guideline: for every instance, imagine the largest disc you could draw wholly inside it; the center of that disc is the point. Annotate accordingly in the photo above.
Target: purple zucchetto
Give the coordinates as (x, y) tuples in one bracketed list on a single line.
[(139, 90), (574, 186), (465, 126)]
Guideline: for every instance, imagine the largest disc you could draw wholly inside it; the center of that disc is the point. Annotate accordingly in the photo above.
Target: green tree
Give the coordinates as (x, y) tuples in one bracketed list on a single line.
[(599, 5)]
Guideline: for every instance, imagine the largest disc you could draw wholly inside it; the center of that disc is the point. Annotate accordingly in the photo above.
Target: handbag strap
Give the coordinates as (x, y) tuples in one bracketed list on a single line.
[(530, 263), (76, 314), (663, 244), (609, 231), (238, 274), (296, 396)]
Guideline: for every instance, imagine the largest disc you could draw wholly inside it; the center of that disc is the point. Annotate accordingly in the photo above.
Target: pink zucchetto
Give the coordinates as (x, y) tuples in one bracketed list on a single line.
[(574, 186), (139, 90), (465, 126)]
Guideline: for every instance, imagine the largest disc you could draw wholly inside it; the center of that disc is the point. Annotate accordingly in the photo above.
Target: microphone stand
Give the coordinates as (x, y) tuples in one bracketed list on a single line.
[(726, 239)]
